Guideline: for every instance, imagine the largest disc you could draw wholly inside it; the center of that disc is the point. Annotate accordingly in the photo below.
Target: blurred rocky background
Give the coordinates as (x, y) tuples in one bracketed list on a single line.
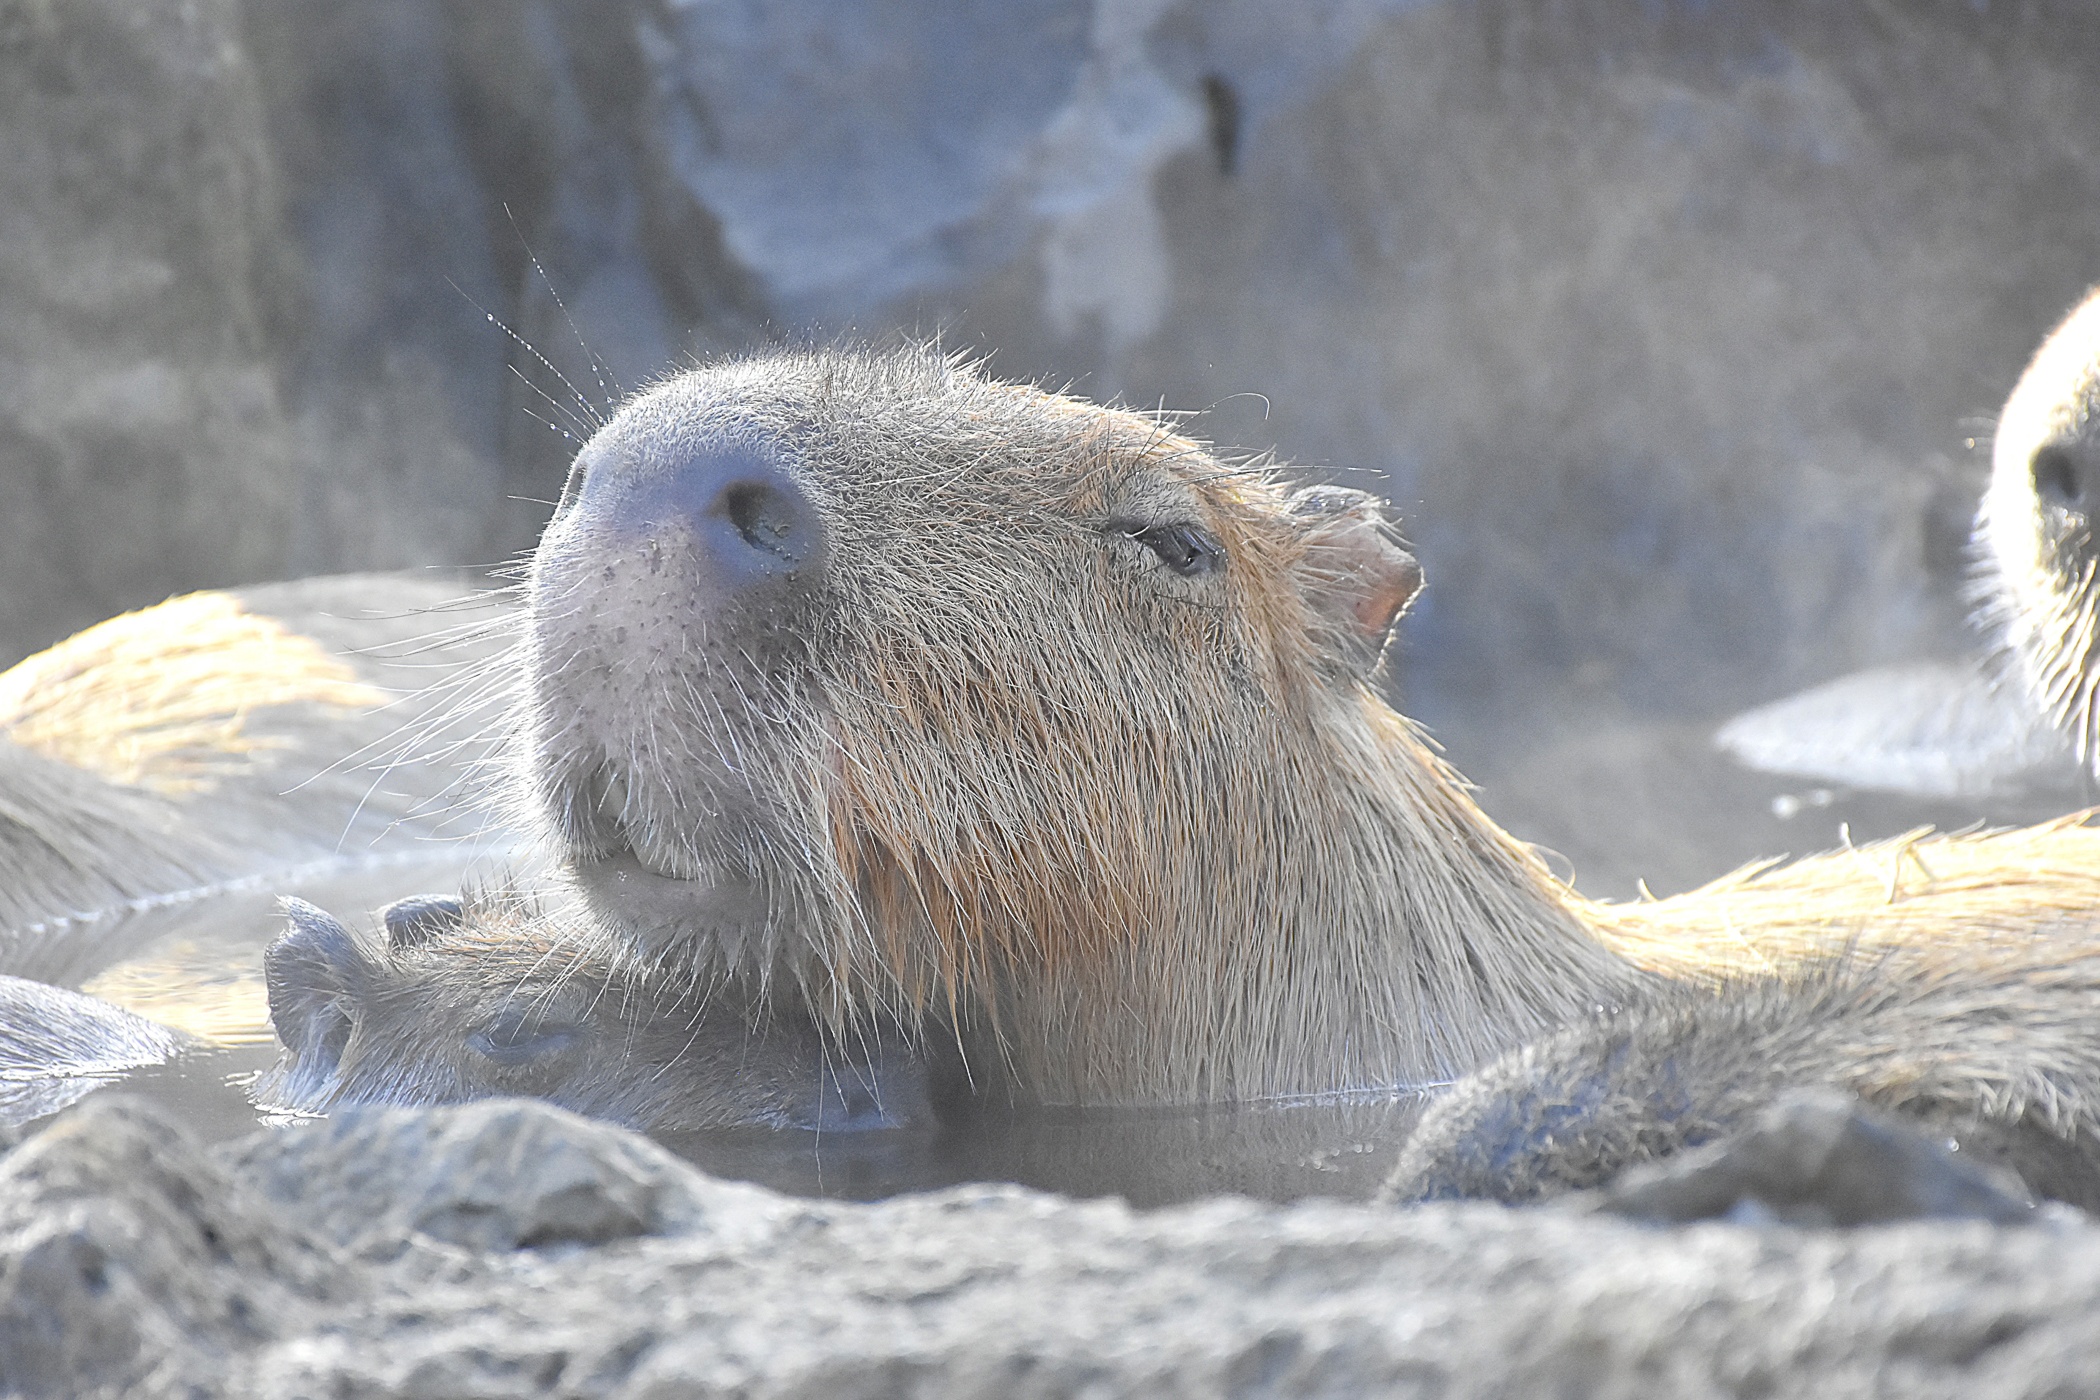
[(1674, 327)]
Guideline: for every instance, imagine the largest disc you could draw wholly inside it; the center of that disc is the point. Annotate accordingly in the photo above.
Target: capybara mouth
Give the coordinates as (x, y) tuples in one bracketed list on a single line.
[(660, 912)]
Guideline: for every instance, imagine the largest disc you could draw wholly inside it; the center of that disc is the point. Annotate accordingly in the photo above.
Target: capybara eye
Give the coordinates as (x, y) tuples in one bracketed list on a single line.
[(1189, 550), (2056, 480), (518, 1036)]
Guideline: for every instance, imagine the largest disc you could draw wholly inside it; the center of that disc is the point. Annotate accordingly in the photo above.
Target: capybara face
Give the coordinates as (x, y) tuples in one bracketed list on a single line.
[(485, 997), (909, 684), (2037, 529)]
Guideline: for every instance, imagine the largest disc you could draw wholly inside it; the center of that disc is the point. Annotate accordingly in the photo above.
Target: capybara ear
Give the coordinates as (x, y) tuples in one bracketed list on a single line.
[(315, 971), (1356, 573), (414, 921)]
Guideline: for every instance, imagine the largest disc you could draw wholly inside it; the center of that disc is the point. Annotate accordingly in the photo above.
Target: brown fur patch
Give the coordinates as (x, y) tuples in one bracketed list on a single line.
[(160, 698)]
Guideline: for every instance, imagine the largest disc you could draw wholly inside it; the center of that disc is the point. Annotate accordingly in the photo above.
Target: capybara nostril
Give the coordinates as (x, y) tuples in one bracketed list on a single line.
[(2060, 479), (747, 520), (750, 518), (766, 522)]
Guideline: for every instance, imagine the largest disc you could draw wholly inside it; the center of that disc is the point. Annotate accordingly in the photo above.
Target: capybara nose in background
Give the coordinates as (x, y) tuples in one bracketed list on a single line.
[(2035, 534), (2065, 483)]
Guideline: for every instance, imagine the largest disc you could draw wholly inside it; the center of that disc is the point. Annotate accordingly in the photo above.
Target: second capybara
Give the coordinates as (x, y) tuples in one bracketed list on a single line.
[(488, 995), (2036, 542)]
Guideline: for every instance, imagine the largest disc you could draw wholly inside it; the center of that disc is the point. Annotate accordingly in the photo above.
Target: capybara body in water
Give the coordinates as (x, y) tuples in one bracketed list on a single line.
[(467, 999), (1003, 716), (2036, 539)]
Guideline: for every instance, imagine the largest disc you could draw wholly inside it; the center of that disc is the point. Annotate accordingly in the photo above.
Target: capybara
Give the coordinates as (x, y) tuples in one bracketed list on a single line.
[(2035, 539), (465, 999)]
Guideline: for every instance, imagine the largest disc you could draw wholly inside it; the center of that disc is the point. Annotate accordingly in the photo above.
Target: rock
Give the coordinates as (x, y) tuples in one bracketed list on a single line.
[(1820, 1158), (1931, 729), (143, 265), (130, 1263), (493, 1175)]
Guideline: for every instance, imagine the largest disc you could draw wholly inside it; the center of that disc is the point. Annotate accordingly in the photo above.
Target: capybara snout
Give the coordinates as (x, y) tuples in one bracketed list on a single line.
[(2035, 533), (736, 512)]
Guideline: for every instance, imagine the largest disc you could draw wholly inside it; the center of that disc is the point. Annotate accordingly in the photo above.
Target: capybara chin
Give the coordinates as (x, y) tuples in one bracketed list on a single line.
[(944, 699), (2037, 550), (488, 995)]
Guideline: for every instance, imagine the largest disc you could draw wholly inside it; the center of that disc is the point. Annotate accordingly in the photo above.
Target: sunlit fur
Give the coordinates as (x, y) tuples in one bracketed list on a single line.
[(2036, 582), (204, 745), (160, 698), (1138, 837)]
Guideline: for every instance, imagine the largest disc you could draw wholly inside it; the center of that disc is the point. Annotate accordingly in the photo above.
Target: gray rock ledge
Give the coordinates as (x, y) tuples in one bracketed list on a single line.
[(509, 1249)]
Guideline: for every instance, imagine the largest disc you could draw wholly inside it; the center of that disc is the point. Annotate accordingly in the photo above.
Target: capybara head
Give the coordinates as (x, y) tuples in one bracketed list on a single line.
[(953, 699), (487, 996), (2036, 533)]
